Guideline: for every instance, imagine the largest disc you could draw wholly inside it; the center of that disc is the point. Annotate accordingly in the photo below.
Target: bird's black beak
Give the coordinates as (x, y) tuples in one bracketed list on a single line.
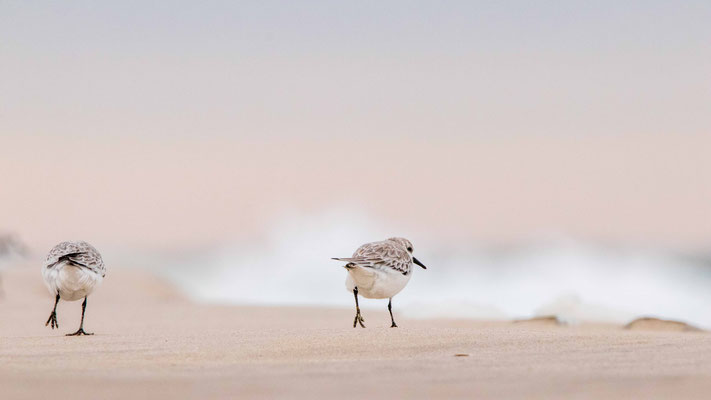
[(416, 261)]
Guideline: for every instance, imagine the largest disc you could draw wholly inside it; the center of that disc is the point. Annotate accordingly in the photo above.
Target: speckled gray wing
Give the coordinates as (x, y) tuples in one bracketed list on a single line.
[(81, 254), (380, 255)]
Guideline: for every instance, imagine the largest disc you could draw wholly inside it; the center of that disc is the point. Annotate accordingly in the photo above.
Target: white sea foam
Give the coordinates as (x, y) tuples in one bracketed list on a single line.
[(571, 279)]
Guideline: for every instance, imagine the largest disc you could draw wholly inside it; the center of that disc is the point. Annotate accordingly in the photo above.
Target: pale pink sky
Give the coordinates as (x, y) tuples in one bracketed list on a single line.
[(652, 189), (159, 124)]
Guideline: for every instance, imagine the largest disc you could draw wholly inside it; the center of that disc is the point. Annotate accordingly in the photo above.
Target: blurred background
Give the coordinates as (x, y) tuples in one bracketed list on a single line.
[(543, 158)]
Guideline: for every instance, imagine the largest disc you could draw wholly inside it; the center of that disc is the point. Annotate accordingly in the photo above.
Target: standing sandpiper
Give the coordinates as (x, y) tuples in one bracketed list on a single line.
[(379, 270), (71, 271)]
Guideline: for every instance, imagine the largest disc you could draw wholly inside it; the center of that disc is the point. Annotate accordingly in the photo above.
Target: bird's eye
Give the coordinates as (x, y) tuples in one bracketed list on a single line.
[(409, 249)]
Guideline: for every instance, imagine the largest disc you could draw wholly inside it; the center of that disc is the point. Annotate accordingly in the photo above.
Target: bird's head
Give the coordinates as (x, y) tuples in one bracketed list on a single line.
[(407, 245)]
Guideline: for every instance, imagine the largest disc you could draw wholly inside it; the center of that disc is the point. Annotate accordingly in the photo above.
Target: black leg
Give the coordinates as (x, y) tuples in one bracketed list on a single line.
[(390, 308), (81, 326), (53, 316), (358, 318)]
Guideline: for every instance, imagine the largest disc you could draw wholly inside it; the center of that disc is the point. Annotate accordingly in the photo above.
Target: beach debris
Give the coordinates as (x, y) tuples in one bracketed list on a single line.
[(541, 320), (660, 325), (462, 355)]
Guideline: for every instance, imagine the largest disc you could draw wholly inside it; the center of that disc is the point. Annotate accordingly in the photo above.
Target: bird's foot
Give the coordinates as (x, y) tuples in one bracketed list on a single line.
[(80, 332), (394, 325), (52, 320), (358, 320)]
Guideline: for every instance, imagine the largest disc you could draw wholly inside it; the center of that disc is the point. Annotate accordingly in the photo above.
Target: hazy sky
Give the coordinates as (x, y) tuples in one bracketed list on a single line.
[(172, 122), (379, 68)]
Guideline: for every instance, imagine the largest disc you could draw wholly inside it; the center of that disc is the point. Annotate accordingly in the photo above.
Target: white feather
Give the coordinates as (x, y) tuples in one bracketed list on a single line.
[(376, 283), (71, 282)]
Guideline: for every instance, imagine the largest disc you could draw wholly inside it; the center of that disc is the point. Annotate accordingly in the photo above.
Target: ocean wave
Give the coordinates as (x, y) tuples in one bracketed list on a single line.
[(572, 279)]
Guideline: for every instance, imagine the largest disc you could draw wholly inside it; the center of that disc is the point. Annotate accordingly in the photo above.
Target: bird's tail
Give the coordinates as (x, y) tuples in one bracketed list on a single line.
[(350, 261)]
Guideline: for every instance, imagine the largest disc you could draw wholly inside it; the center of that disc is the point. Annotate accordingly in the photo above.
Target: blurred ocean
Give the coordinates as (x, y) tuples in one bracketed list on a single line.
[(575, 280)]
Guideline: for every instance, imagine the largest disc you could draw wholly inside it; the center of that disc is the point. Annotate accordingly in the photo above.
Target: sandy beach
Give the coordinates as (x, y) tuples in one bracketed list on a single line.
[(240, 170), (151, 342)]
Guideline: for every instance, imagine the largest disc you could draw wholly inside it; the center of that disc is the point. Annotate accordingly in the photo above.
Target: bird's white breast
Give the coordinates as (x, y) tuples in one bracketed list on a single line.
[(70, 281), (376, 283)]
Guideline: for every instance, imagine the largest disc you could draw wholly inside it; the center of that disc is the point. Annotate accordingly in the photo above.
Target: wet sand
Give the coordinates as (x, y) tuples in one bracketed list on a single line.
[(151, 342)]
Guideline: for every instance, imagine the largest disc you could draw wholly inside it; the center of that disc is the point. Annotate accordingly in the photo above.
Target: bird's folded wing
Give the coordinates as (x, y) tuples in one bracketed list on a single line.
[(375, 262), (82, 260), (74, 258), (359, 261)]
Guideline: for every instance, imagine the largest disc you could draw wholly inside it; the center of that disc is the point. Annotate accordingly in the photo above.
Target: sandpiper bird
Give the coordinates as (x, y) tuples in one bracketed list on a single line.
[(71, 271), (379, 270)]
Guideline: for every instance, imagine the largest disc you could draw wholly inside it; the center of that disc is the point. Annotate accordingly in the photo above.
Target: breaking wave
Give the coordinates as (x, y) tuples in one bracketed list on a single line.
[(575, 280)]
